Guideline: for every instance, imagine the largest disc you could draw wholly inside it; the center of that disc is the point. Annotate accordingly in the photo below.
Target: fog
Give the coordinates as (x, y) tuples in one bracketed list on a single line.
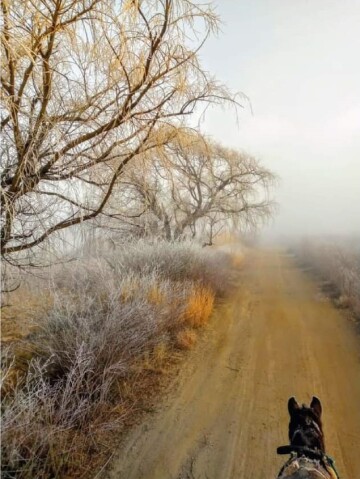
[(298, 62)]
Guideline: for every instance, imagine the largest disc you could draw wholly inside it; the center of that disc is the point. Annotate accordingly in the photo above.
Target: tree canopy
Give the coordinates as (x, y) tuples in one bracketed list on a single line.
[(87, 86)]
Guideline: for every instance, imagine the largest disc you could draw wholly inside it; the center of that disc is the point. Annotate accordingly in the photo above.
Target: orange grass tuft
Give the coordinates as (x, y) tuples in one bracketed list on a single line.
[(199, 307)]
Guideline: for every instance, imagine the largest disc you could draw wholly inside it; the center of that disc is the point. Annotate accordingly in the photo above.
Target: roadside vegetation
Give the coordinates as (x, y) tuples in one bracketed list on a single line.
[(112, 329), (337, 262), (110, 198)]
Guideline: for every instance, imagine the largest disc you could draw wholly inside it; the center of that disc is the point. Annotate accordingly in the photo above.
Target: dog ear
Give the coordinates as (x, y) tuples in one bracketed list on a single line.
[(316, 406), (293, 406)]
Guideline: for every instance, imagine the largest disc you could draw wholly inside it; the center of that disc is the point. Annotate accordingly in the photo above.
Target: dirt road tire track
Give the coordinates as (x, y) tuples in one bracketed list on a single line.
[(227, 413)]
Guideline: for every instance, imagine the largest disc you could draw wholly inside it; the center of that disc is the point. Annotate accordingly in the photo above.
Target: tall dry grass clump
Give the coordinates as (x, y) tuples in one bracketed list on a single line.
[(199, 306), (337, 261), (113, 322)]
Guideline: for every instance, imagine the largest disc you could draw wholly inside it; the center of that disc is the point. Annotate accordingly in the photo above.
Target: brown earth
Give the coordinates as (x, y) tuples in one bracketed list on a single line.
[(227, 411)]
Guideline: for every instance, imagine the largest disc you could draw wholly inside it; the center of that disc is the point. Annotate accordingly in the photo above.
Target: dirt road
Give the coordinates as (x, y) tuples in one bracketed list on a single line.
[(228, 410)]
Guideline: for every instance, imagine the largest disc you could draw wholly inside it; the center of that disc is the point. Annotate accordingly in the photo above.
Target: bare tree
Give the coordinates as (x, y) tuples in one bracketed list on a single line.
[(195, 187), (87, 85)]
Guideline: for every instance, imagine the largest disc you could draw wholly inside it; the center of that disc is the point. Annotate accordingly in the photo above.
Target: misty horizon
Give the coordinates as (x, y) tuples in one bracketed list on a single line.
[(298, 65)]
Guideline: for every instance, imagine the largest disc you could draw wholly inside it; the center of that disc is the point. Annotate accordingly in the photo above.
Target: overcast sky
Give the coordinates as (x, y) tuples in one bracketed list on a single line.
[(299, 63)]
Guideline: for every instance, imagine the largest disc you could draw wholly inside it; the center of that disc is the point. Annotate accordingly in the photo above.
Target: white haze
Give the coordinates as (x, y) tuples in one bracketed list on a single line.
[(299, 63)]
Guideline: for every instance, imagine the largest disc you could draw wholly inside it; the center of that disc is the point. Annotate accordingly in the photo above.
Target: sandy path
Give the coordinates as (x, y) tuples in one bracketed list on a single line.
[(227, 413)]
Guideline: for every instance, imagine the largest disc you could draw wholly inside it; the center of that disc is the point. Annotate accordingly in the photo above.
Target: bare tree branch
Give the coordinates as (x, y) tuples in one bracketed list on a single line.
[(196, 187), (87, 86)]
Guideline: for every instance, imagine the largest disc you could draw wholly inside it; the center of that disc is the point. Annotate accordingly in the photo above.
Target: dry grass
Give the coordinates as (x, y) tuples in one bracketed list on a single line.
[(155, 360), (155, 295), (100, 352), (186, 338), (160, 354), (128, 289), (337, 261), (20, 312), (199, 307)]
